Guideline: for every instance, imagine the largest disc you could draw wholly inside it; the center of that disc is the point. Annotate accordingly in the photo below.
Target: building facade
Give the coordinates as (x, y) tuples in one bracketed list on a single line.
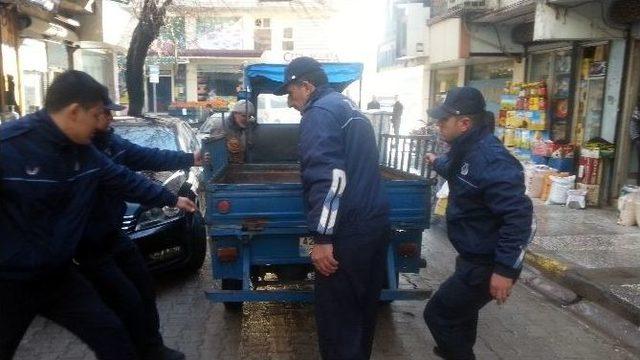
[(42, 38), (584, 52), (205, 45)]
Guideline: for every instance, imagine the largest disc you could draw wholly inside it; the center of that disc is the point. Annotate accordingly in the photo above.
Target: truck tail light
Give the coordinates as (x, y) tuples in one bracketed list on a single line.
[(408, 249), (227, 254), (224, 206)]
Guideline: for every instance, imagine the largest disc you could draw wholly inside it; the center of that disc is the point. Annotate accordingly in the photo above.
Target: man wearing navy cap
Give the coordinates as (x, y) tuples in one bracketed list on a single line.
[(347, 210), (488, 221)]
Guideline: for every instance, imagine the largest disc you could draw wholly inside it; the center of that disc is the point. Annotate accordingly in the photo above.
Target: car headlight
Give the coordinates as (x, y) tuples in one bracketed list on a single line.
[(156, 216)]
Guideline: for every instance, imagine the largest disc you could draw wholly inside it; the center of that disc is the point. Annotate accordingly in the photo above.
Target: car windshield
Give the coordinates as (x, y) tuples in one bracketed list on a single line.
[(153, 137)]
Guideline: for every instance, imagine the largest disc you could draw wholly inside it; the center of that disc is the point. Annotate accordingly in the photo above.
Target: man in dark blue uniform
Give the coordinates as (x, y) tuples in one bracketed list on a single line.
[(49, 172), (347, 210), (488, 221), (110, 259)]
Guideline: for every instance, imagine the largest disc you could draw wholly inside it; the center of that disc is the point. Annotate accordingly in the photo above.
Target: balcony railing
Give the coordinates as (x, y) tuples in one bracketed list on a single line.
[(406, 152)]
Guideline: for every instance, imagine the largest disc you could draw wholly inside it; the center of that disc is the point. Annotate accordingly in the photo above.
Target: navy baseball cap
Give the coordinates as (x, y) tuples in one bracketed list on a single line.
[(302, 68), (110, 105), (459, 101)]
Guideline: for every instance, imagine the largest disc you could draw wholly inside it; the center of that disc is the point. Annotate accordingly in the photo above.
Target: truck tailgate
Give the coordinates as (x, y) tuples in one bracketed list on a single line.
[(268, 197)]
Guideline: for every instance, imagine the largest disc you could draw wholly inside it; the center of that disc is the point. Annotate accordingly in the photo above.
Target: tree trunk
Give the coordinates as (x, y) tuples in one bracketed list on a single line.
[(140, 42), (151, 20)]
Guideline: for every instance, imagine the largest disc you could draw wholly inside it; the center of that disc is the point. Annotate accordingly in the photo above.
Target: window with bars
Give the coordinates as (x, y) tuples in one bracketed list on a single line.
[(262, 34), (287, 39)]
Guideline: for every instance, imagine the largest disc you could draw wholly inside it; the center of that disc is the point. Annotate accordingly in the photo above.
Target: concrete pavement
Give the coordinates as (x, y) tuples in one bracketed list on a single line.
[(528, 327), (587, 252)]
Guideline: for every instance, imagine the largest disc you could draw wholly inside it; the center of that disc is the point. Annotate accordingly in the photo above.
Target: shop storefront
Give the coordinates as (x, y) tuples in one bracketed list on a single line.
[(565, 115)]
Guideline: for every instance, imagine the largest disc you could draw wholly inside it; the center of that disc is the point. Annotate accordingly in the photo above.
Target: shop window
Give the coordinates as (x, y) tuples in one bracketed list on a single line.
[(591, 91), (33, 82), (216, 84), (491, 80), (180, 83), (57, 56), (443, 81), (555, 69), (498, 70)]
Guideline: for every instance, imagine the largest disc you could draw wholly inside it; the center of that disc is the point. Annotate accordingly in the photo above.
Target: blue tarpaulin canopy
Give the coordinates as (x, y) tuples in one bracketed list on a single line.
[(266, 78)]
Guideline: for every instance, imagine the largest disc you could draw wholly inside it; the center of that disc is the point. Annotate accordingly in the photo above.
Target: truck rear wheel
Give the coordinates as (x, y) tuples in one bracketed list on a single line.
[(232, 284), (197, 238)]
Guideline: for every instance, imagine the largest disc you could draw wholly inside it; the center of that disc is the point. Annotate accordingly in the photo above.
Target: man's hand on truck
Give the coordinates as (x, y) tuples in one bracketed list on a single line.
[(323, 260), (199, 159), (429, 158), (186, 204)]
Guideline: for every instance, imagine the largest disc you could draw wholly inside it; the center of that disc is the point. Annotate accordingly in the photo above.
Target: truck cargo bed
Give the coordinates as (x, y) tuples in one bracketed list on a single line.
[(283, 174)]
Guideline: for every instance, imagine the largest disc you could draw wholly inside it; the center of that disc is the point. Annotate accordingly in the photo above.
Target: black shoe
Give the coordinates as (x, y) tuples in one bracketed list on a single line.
[(442, 354), (438, 352), (164, 353)]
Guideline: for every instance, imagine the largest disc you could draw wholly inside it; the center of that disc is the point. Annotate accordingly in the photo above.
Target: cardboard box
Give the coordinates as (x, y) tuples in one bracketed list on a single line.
[(593, 193)]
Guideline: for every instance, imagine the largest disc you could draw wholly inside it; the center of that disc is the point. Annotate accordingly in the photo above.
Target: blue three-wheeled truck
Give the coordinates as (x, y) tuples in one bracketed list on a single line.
[(259, 239)]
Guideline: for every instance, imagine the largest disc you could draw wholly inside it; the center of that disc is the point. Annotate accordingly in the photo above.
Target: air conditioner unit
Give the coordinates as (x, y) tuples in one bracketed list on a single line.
[(467, 4)]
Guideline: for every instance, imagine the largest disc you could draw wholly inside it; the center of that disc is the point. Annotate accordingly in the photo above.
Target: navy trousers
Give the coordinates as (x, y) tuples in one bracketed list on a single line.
[(68, 299), (452, 313), (126, 286), (346, 302)]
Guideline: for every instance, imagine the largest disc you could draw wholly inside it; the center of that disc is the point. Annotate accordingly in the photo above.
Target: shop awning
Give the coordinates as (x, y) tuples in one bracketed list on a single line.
[(266, 78)]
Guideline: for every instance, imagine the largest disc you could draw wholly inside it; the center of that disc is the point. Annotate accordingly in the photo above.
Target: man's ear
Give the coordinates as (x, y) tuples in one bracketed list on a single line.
[(309, 86), (467, 123), (73, 111)]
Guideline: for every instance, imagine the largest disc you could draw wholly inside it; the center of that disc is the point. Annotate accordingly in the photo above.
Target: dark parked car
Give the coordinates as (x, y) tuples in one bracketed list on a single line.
[(168, 238)]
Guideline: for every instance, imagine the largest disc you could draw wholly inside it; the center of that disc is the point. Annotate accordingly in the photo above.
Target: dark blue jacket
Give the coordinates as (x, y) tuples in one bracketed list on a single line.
[(339, 164), (105, 219), (488, 216), (47, 186)]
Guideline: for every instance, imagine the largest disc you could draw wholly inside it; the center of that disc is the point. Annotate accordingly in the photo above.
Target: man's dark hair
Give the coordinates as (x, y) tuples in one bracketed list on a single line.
[(73, 86), (483, 119)]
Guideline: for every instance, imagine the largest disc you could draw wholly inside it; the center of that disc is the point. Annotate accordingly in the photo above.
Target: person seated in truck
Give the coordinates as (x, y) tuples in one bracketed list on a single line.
[(234, 129)]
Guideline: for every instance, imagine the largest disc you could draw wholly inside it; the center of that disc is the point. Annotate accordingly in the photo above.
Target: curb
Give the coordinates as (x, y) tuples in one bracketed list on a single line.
[(545, 264), (568, 277), (622, 331)]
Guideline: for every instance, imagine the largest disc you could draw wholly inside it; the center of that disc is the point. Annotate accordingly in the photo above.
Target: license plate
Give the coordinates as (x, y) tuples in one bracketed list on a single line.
[(306, 244)]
